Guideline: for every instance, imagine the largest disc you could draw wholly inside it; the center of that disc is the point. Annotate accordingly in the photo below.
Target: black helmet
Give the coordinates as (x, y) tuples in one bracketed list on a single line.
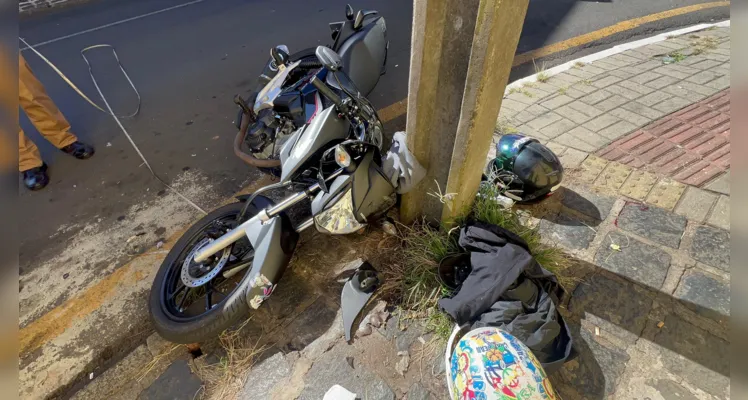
[(528, 170)]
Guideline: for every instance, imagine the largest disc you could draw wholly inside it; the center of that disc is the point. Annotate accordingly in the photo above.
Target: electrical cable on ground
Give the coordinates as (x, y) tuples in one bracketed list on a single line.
[(109, 110)]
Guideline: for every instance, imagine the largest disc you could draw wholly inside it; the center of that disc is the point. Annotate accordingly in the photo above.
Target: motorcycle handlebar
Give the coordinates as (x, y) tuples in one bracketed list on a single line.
[(327, 92)]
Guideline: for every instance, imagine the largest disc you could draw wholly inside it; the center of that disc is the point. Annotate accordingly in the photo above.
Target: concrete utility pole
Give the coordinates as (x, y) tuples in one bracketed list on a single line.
[(461, 56)]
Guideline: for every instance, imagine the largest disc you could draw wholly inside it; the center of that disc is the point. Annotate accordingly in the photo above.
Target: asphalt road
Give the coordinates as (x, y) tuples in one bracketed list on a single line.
[(188, 63)]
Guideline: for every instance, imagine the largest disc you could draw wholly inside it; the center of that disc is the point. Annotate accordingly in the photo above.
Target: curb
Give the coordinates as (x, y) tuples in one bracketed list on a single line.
[(613, 51)]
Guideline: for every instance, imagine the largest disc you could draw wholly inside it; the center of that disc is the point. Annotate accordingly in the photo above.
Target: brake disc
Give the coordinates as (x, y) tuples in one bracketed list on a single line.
[(194, 281)]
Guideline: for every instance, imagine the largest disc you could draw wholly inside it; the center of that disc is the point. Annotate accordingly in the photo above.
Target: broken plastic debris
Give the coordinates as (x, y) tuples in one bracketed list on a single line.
[(338, 392), (597, 331), (615, 247), (108, 144), (90, 376), (660, 324), (160, 244)]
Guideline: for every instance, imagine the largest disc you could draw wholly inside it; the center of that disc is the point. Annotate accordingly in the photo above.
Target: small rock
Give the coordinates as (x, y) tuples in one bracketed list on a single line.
[(160, 244), (108, 144), (660, 324), (216, 137), (65, 275), (349, 360), (90, 376), (401, 367), (418, 392)]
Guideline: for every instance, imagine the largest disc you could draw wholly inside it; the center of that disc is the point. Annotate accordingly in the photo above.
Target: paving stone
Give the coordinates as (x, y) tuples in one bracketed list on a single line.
[(653, 223), (704, 294), (556, 148), (579, 112), (591, 204), (682, 92), (332, 368), (720, 185), (631, 85), (676, 71), (571, 158), (177, 382), (556, 101), (695, 204), (611, 103), (627, 115), (581, 139), (621, 74), (596, 97), (418, 392), (157, 345), (705, 64), (568, 232), (528, 131), (694, 87), (654, 98), (558, 128), (617, 130), (606, 81), (636, 261), (662, 82), (521, 98), (645, 77), (711, 246), (666, 193), (613, 176), (672, 104), (641, 109), (695, 355), (601, 122), (590, 169), (638, 185), (625, 92), (721, 83), (512, 105), (622, 306), (703, 77), (720, 216), (310, 324), (530, 113), (593, 374), (263, 376), (544, 120), (582, 73)]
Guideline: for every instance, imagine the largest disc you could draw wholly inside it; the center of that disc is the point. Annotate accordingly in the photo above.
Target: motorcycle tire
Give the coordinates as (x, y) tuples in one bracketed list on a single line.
[(221, 316)]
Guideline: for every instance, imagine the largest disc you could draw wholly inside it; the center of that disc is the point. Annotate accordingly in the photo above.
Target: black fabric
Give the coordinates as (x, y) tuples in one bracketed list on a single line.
[(509, 290)]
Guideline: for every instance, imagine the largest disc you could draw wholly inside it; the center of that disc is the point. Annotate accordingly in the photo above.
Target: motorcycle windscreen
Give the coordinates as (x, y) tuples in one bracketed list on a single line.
[(364, 54), (307, 141)]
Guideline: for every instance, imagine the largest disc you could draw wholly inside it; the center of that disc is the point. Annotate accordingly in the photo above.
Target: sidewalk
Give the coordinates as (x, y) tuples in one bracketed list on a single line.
[(645, 211), (649, 309)]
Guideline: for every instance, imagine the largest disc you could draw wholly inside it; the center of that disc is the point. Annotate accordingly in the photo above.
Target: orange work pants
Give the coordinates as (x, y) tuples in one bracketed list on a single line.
[(43, 113)]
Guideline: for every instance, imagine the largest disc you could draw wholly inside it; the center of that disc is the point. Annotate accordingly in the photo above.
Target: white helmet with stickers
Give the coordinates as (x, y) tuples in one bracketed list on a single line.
[(488, 363)]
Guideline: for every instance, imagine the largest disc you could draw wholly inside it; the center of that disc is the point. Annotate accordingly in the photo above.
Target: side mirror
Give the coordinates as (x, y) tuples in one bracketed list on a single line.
[(279, 54), (348, 12), (359, 20), (329, 58)]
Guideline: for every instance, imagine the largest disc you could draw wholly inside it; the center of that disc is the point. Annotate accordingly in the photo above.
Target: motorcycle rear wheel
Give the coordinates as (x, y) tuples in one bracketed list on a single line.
[(174, 323)]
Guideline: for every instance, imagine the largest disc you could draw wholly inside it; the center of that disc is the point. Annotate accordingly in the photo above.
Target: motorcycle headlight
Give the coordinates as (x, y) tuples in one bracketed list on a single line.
[(340, 218)]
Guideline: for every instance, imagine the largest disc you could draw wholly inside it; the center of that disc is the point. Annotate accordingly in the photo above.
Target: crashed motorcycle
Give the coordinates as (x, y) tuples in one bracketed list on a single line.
[(231, 260), (282, 100)]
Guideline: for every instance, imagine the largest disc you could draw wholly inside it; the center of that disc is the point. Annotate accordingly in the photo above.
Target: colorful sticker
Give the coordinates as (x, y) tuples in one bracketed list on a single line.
[(490, 364), (260, 281)]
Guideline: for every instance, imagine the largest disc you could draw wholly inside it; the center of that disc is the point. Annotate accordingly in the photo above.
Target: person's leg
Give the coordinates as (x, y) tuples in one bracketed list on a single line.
[(30, 163), (40, 109)]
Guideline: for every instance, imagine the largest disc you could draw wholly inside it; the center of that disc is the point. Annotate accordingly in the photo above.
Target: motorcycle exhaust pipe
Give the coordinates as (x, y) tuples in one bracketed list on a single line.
[(246, 157)]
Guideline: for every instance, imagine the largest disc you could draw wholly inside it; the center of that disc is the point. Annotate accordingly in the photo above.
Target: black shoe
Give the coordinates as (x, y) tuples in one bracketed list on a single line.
[(79, 150), (36, 178)]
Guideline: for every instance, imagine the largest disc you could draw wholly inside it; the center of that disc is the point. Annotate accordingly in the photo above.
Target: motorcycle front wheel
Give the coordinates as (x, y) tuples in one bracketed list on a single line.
[(192, 302)]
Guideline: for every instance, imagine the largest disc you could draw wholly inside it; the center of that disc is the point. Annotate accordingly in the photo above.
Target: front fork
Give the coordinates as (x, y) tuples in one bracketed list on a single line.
[(273, 238)]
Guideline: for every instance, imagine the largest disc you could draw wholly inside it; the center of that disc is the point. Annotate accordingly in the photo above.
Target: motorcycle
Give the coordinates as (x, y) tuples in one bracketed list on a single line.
[(231, 260), (283, 101)]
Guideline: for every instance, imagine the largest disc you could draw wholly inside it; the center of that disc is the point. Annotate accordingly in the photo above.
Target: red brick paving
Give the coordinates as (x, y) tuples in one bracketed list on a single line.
[(691, 145)]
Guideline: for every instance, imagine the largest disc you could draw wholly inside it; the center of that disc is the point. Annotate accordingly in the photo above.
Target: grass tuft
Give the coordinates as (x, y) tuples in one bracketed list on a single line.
[(225, 379), (503, 127), (540, 73), (563, 90), (579, 64), (704, 43), (677, 56)]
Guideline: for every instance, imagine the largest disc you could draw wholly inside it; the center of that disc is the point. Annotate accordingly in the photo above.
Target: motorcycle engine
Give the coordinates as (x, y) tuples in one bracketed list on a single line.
[(266, 136)]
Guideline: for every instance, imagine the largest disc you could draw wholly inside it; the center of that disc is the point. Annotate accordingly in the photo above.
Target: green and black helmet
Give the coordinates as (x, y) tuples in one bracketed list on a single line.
[(527, 170)]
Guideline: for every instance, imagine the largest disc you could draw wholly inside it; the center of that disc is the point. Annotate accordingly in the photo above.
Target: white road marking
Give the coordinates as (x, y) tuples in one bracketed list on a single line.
[(46, 42)]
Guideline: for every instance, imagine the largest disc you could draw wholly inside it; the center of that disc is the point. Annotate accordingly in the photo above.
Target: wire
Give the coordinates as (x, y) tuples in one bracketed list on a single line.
[(109, 110)]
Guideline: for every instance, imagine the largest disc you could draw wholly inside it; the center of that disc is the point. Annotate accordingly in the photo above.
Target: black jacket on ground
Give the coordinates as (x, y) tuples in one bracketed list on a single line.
[(508, 289)]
